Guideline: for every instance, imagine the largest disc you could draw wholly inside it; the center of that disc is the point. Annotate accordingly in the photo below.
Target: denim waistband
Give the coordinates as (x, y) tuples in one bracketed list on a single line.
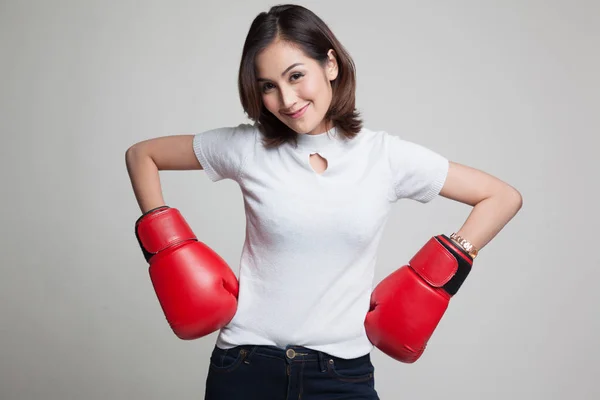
[(293, 354)]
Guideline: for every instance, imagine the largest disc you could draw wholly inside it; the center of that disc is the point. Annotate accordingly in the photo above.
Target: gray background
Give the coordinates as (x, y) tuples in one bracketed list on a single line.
[(509, 87)]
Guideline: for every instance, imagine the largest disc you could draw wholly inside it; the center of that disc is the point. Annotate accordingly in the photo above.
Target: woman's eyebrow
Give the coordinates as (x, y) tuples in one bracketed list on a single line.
[(283, 73)]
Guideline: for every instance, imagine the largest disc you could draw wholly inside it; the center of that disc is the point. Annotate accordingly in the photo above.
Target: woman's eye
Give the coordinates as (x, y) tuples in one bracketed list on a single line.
[(267, 86)]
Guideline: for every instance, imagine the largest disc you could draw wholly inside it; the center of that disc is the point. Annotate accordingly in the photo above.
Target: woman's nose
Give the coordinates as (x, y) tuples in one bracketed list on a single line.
[(288, 98)]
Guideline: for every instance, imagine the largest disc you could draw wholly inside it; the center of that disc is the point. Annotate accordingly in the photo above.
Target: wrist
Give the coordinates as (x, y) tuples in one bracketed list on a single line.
[(465, 245)]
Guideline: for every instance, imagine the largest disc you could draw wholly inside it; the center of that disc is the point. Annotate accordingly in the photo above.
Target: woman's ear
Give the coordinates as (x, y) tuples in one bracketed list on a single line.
[(331, 68)]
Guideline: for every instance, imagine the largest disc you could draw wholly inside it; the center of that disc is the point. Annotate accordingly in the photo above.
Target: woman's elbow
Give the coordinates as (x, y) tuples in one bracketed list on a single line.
[(513, 198)]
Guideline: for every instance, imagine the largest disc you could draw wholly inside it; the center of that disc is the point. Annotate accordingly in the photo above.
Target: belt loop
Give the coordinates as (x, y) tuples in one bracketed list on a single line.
[(251, 351), (321, 361)]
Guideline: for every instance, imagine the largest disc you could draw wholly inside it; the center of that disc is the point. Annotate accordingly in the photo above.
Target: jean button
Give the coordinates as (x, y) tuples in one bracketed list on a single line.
[(290, 353)]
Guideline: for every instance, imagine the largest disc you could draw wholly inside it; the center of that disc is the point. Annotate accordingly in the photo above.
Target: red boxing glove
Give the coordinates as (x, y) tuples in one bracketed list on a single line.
[(195, 287), (407, 306)]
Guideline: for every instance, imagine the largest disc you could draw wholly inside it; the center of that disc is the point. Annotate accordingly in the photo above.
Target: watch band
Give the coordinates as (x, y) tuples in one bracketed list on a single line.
[(465, 244)]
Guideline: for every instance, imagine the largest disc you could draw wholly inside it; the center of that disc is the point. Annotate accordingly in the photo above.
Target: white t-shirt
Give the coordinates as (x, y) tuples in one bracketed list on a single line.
[(308, 260)]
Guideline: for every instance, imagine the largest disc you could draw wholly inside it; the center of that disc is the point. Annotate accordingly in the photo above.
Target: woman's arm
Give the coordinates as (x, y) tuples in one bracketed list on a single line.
[(494, 202), (145, 159)]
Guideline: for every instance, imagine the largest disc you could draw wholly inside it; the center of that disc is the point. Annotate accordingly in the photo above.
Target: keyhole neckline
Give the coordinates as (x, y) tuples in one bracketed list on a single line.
[(318, 164)]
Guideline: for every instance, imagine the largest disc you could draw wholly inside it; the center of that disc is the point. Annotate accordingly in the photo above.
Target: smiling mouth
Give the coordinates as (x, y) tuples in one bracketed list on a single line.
[(298, 113)]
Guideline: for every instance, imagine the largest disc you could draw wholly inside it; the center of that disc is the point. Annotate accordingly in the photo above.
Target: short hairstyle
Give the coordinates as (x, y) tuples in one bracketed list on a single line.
[(302, 28)]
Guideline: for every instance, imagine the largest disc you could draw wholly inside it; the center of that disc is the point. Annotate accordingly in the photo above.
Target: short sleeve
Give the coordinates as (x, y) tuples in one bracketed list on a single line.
[(222, 151), (418, 173)]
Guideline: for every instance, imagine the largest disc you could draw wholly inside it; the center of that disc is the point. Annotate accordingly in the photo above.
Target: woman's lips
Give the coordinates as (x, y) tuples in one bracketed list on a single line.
[(298, 113)]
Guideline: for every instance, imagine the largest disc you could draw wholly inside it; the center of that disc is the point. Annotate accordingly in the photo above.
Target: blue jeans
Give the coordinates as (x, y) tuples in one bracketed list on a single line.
[(251, 372)]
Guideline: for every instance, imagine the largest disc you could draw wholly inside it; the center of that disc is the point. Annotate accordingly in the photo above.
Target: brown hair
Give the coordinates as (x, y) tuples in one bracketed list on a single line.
[(302, 28)]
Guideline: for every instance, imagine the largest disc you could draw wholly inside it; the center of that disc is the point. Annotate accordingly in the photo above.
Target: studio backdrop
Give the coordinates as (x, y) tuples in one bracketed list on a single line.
[(509, 87)]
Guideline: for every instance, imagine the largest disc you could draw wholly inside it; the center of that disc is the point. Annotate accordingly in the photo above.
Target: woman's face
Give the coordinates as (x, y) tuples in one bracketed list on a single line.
[(295, 88)]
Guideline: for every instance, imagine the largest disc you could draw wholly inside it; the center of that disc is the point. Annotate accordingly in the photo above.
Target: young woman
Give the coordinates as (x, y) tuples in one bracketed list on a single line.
[(317, 189)]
